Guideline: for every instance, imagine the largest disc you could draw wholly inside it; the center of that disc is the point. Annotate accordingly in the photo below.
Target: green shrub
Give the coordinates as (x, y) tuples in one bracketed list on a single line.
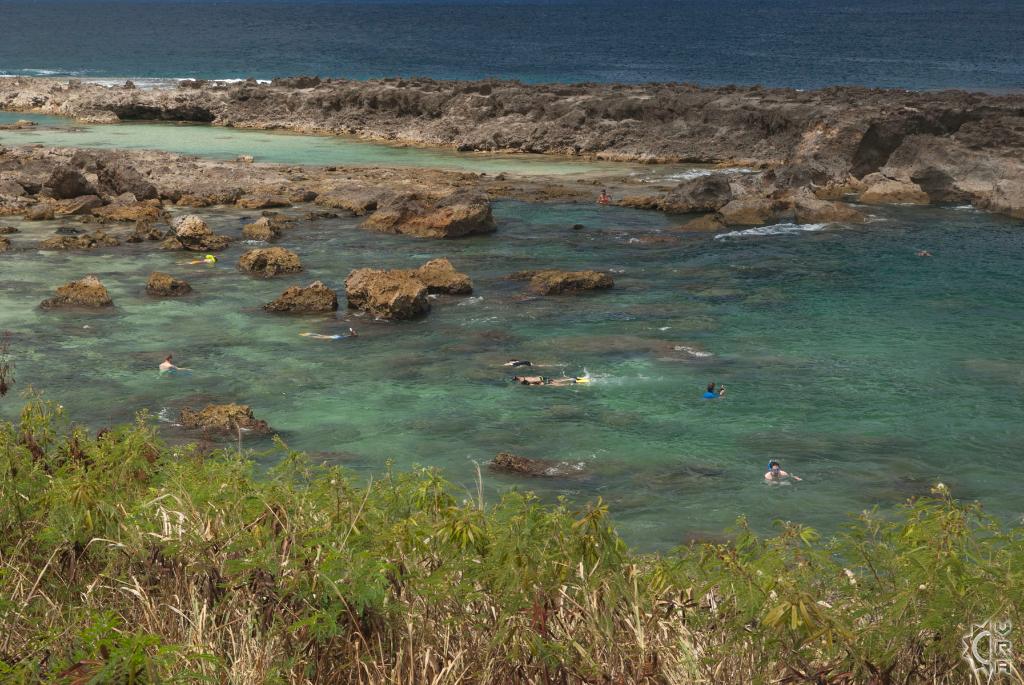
[(123, 560)]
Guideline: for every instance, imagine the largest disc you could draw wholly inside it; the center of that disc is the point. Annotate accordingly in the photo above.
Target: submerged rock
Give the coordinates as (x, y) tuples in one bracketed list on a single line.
[(5, 244), (554, 282), (269, 261), (166, 285), (191, 232), (85, 292), (80, 242), (393, 294), (506, 462), (8, 230), (314, 298), (222, 418)]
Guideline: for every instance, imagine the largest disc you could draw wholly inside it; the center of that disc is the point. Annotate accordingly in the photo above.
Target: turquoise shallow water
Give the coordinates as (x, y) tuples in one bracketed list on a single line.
[(868, 371), (289, 148)]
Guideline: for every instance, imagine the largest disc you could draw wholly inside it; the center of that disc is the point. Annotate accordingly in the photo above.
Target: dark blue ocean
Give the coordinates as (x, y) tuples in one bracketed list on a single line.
[(916, 44)]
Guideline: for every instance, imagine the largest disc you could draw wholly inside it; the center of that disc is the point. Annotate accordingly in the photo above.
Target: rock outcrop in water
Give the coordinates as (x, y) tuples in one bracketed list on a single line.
[(85, 292), (973, 140), (85, 241), (387, 294), (191, 232), (261, 229), (402, 293), (166, 285), (223, 419), (269, 261), (440, 277), (454, 216), (554, 282), (311, 299)]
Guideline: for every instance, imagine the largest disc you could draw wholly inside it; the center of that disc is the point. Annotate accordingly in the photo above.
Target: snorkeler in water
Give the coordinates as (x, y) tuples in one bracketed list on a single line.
[(555, 382), (167, 367), (320, 336), (775, 473), (207, 259), (711, 393)]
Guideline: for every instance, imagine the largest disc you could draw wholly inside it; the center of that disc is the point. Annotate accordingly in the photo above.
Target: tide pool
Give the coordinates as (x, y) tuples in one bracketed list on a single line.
[(868, 371), (291, 148)]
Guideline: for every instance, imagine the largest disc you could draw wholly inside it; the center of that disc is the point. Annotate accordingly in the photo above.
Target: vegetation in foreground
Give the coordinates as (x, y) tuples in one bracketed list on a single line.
[(125, 561)]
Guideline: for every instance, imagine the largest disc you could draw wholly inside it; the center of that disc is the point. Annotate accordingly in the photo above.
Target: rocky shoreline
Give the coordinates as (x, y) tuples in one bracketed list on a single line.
[(896, 146)]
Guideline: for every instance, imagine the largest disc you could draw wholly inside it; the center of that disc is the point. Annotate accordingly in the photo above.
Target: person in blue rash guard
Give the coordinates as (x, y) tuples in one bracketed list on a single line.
[(711, 393)]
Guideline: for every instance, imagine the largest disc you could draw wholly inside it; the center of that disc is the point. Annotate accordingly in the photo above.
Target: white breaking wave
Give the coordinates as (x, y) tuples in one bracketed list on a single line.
[(693, 352), (776, 229), (689, 174), (698, 173)]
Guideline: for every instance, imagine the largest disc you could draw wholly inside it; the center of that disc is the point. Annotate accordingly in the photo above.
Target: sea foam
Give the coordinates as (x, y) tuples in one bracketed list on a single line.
[(775, 229)]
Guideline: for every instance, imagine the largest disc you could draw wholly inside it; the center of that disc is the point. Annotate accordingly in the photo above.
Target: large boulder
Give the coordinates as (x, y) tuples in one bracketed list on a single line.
[(222, 418), (262, 229), (116, 178), (808, 209), (888, 191), (702, 194), (554, 282), (393, 294), (269, 261), (441, 277), (314, 298), (85, 292), (192, 233), (455, 216), (749, 211), (1006, 197), (166, 285), (66, 182)]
